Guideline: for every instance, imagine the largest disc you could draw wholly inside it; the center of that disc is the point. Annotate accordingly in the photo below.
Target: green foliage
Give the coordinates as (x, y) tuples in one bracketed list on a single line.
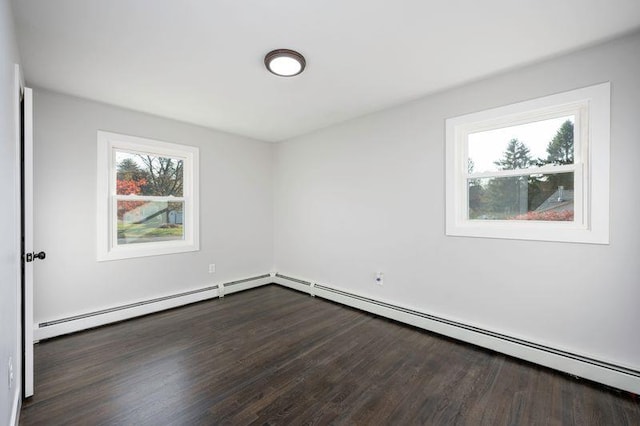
[(560, 149), (476, 192), (514, 196), (151, 175), (516, 156), (143, 230), (504, 196), (508, 196), (128, 170), (162, 176)]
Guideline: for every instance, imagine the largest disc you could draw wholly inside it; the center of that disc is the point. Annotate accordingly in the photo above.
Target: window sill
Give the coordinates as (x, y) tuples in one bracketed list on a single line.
[(525, 230), (147, 249)]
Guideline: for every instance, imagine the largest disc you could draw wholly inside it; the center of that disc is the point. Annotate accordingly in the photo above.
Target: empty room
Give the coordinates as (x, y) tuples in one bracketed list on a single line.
[(319, 212)]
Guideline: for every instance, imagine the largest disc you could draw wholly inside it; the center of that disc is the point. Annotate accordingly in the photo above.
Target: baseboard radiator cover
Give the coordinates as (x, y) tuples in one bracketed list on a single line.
[(294, 283), (607, 373), (245, 284), (58, 327)]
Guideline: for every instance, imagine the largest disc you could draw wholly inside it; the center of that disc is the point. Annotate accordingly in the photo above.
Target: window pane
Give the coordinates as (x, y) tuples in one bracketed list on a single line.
[(143, 222), (526, 145), (534, 197), (148, 174)]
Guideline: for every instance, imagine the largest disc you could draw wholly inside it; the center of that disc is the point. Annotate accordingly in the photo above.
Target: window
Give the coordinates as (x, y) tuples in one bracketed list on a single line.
[(147, 197), (535, 170)]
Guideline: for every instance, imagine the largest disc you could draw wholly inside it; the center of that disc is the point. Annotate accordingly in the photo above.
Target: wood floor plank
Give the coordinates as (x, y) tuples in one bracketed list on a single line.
[(276, 356)]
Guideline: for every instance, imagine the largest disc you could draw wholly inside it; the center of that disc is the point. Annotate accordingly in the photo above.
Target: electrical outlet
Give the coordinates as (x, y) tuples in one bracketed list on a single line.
[(212, 268), (10, 373), (379, 278)]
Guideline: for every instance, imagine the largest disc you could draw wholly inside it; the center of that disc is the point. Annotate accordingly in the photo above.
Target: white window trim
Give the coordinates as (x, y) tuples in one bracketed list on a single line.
[(591, 225), (107, 248)]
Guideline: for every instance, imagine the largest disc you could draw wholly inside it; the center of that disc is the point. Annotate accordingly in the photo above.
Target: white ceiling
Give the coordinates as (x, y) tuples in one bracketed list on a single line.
[(200, 61)]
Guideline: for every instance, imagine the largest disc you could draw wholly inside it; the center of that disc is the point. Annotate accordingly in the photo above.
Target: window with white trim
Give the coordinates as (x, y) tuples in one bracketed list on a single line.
[(535, 170), (147, 197)]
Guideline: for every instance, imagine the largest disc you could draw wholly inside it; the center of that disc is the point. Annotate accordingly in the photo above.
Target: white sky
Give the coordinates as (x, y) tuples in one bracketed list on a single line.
[(122, 155), (487, 147)]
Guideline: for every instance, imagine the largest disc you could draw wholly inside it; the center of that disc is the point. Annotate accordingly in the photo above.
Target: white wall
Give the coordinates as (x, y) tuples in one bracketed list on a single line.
[(9, 220), (235, 210), (368, 195)]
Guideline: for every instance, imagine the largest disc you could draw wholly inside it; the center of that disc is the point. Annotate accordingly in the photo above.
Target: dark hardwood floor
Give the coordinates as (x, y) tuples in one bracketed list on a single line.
[(275, 356)]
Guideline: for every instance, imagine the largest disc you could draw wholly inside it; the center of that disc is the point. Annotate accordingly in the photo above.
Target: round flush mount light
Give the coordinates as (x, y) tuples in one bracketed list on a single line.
[(284, 62)]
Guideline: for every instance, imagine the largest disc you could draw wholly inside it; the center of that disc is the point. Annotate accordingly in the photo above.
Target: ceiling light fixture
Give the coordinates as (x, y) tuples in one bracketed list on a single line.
[(284, 62)]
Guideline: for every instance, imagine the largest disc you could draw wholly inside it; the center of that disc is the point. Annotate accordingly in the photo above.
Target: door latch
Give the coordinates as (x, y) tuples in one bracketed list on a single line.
[(30, 257)]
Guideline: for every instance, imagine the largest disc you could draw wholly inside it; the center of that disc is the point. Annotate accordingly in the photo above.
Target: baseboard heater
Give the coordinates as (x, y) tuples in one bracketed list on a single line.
[(582, 366), (48, 329), (607, 373)]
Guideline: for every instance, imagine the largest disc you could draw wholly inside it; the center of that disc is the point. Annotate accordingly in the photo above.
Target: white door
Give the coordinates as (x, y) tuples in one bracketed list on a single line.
[(27, 233)]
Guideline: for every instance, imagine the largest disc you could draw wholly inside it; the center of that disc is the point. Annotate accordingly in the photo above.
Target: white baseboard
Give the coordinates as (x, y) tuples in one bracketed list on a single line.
[(62, 326), (599, 371)]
